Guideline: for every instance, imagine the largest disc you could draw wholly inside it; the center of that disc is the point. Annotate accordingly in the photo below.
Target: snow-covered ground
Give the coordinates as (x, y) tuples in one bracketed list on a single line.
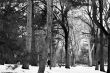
[(33, 69)]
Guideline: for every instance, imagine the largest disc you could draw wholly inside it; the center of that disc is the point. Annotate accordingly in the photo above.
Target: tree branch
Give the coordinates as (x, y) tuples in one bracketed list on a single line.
[(92, 48), (57, 7), (95, 19)]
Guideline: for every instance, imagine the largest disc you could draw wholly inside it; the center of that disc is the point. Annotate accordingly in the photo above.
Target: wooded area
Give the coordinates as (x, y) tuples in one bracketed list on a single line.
[(55, 33)]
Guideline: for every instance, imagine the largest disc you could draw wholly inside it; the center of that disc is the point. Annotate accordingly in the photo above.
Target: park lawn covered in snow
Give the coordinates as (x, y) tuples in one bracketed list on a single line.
[(34, 69)]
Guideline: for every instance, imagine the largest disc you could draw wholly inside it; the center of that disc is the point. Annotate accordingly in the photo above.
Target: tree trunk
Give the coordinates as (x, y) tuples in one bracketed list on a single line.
[(93, 57), (95, 50), (54, 60), (54, 57), (28, 36), (42, 63), (66, 51), (1, 59), (101, 36), (53, 46), (97, 56), (65, 27), (43, 52), (73, 60), (97, 65), (73, 52), (61, 58), (26, 60), (101, 52), (43, 57), (108, 67), (90, 56), (49, 26), (90, 59), (33, 52)]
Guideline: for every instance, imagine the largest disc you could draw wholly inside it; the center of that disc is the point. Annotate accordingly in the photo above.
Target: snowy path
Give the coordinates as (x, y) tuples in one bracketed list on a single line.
[(33, 69), (77, 69)]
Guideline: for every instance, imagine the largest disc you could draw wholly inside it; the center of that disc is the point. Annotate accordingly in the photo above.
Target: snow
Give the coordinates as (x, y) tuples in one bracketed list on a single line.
[(34, 69)]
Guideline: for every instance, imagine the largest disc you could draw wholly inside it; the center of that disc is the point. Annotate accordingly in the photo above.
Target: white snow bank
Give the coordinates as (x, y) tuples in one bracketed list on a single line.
[(77, 69), (34, 69)]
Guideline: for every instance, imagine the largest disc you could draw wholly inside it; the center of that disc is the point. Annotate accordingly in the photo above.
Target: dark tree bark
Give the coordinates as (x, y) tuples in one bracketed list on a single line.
[(49, 27), (97, 58), (65, 27), (108, 67), (33, 52), (28, 36), (46, 44), (26, 60), (101, 52), (97, 51), (53, 56), (42, 64), (101, 36), (66, 50), (97, 66), (43, 52)]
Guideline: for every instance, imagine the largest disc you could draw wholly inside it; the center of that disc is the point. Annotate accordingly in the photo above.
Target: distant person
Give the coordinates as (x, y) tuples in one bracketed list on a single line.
[(98, 62), (48, 63)]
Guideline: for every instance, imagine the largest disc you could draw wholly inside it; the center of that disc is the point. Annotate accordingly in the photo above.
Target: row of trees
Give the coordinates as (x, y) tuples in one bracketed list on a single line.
[(97, 12), (22, 22)]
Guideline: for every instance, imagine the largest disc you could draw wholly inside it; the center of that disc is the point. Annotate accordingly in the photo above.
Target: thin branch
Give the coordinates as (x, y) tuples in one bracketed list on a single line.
[(56, 16), (84, 21), (57, 7), (92, 48), (61, 6), (62, 35)]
